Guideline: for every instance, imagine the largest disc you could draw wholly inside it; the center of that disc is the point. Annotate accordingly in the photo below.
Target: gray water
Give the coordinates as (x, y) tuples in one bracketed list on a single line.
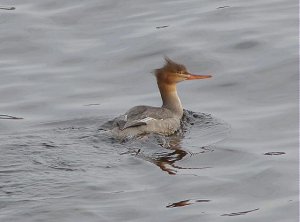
[(67, 67)]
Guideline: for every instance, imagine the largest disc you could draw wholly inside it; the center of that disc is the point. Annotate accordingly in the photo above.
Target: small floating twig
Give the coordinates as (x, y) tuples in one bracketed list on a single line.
[(7, 8), (184, 203), (9, 117)]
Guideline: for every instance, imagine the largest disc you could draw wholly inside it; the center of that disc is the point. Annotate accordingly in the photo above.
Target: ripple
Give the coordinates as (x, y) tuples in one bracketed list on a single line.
[(240, 213), (246, 44), (274, 153)]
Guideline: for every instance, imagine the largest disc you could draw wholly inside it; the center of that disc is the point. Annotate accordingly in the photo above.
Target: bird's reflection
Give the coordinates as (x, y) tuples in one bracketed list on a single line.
[(167, 162), (168, 157), (167, 152)]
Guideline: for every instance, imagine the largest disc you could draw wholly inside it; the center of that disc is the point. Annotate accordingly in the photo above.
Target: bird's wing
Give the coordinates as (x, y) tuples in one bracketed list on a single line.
[(142, 115), (137, 116), (138, 122)]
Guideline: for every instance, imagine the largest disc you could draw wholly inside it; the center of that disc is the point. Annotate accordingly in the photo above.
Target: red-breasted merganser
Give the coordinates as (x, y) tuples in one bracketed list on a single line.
[(163, 120)]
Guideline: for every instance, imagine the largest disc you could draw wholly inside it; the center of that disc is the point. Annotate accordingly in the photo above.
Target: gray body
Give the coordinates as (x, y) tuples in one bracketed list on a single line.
[(141, 120)]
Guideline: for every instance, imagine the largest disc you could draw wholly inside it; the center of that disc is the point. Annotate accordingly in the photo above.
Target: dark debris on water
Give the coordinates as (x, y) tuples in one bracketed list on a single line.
[(9, 117), (7, 8)]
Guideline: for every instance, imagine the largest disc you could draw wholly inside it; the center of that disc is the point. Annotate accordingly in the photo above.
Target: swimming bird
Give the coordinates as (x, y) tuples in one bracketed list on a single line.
[(164, 120)]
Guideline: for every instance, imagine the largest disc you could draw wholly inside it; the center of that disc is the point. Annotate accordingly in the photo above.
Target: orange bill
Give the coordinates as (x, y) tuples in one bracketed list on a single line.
[(193, 76)]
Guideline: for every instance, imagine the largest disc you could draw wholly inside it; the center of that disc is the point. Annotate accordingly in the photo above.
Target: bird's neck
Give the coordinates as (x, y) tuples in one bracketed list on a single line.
[(170, 98)]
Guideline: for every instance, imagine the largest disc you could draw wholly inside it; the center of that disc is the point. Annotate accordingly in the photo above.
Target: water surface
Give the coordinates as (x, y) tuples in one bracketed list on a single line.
[(67, 67)]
